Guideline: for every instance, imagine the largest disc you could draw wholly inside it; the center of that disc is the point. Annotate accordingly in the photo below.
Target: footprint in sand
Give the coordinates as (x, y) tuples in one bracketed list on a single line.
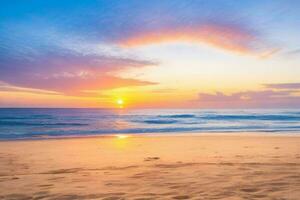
[(181, 197), (151, 159)]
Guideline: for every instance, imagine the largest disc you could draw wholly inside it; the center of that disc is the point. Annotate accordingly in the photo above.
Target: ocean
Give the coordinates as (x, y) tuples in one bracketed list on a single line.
[(30, 123)]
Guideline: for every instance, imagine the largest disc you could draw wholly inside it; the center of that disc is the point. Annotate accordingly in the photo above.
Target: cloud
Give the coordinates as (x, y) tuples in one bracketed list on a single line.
[(223, 36), (250, 99), (67, 72), (294, 52), (283, 85), (9, 88), (231, 37)]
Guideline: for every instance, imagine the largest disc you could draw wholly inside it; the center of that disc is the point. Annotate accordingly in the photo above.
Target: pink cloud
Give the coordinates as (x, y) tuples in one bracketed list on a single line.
[(250, 99), (81, 86), (227, 37), (69, 73), (283, 85)]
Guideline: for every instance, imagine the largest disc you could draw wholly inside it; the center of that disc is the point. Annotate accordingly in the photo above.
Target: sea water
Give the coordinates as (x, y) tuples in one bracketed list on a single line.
[(25, 123)]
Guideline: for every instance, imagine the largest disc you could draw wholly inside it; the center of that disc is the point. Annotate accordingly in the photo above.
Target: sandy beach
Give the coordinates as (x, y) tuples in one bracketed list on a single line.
[(152, 167)]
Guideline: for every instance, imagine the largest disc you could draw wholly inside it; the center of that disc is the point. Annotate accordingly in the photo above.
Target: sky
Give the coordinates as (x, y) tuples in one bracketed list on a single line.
[(150, 54)]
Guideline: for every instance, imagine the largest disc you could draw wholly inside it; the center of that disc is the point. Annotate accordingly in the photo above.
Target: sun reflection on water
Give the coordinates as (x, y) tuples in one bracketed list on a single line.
[(121, 136)]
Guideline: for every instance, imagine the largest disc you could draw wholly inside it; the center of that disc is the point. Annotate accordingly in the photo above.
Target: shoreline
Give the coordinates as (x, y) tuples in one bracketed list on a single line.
[(169, 134)]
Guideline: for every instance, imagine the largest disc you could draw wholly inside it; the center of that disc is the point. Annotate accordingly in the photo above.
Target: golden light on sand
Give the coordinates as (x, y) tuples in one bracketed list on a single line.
[(121, 142)]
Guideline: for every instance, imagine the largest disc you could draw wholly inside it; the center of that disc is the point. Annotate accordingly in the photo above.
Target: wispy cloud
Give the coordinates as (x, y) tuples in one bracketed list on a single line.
[(293, 52), (220, 36), (9, 88), (68, 72), (229, 37), (283, 86), (250, 99)]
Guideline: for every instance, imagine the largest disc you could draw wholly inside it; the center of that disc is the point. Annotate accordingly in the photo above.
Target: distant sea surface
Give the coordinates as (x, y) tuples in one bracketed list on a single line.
[(17, 123)]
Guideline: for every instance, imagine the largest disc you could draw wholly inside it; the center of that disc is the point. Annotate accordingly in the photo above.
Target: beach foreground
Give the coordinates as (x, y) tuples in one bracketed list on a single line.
[(152, 167)]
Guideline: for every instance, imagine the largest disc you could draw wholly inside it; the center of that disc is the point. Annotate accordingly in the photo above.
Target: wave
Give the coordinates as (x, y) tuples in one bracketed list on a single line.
[(159, 121), (252, 117), (16, 123), (174, 130), (292, 116), (26, 117), (178, 116)]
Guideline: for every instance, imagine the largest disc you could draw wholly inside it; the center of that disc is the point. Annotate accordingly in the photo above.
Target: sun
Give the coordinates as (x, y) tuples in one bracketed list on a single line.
[(120, 102)]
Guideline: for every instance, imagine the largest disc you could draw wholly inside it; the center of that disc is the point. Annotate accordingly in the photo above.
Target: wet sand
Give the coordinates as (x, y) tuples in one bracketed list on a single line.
[(152, 167)]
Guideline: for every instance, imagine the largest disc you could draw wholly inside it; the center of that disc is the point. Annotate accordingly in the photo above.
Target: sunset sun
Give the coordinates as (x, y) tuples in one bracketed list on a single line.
[(120, 103)]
